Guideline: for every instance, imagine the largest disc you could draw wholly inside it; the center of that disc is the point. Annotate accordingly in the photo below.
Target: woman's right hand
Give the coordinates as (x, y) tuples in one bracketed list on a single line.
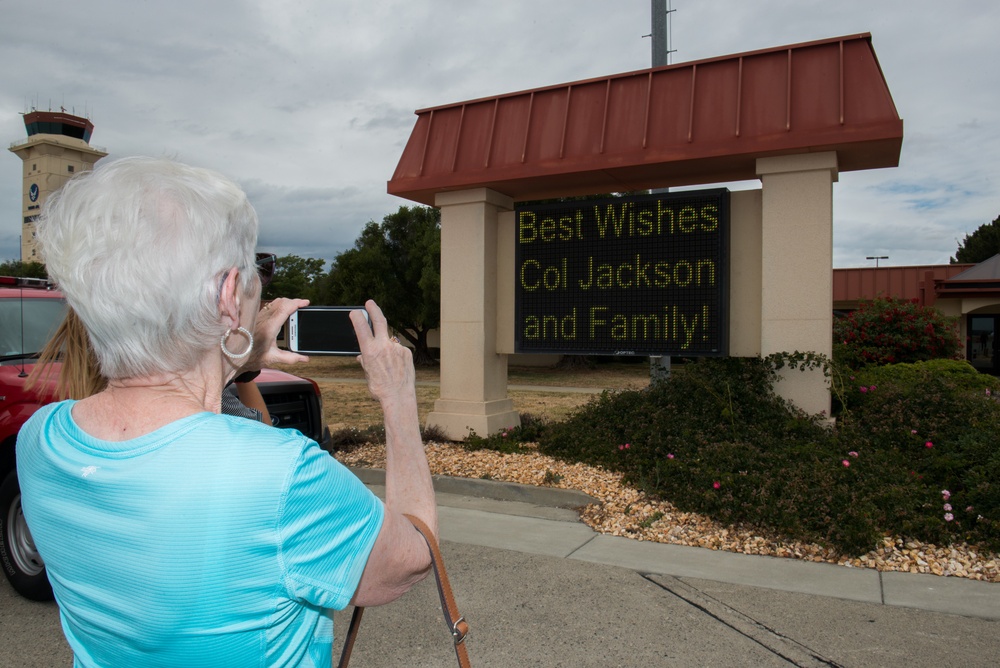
[(270, 318)]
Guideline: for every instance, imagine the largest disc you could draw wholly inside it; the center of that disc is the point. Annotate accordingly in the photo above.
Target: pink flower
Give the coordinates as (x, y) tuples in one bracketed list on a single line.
[(504, 434), (947, 507), (852, 453), (987, 391), (626, 446), (946, 494), (863, 389), (873, 388), (621, 447), (716, 484), (913, 431), (968, 509), (948, 517), (846, 463), (928, 444), (670, 456)]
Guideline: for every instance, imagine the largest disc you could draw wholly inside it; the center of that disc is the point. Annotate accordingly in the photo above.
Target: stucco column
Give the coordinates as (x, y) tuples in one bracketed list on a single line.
[(473, 374), (797, 268)]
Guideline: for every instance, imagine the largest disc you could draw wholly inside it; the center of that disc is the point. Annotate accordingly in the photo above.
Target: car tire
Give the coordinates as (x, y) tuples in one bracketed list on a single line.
[(21, 562)]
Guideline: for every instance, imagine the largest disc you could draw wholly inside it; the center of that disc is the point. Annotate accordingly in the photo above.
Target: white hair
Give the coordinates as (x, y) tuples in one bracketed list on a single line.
[(140, 247)]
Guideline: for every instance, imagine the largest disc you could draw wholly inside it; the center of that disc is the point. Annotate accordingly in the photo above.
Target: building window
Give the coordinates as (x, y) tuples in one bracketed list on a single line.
[(34, 166), (69, 168)]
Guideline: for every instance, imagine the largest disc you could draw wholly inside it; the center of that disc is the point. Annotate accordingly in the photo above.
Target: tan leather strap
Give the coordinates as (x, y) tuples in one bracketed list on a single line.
[(457, 625), (352, 635)]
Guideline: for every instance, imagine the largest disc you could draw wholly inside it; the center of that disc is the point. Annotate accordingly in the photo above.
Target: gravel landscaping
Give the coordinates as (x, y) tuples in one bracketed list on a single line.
[(623, 511)]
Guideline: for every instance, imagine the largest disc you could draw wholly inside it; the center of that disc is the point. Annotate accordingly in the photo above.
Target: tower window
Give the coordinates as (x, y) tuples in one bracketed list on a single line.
[(69, 168)]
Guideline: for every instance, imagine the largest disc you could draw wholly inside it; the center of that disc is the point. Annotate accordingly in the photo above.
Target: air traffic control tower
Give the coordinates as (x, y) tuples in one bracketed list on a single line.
[(57, 147)]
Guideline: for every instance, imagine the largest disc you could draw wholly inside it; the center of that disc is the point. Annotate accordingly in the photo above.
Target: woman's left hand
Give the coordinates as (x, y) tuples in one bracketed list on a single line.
[(270, 318), (388, 365)]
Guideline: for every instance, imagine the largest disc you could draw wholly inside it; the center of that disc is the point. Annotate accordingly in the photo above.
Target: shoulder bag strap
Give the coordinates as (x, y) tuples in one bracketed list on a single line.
[(457, 625)]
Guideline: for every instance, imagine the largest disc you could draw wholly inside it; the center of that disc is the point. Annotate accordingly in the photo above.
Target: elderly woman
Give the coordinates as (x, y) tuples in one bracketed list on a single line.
[(174, 535)]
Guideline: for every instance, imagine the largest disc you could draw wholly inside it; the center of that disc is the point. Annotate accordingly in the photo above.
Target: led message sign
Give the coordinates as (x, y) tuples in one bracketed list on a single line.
[(637, 275)]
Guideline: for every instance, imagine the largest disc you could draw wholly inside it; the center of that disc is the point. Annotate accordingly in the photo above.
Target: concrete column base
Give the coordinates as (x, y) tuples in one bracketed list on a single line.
[(458, 418)]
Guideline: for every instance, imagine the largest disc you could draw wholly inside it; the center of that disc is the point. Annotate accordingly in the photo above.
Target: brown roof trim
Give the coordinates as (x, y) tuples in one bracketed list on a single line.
[(852, 285), (697, 122)]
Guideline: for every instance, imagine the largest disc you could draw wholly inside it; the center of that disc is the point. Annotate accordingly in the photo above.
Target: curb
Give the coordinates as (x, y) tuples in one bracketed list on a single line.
[(493, 489)]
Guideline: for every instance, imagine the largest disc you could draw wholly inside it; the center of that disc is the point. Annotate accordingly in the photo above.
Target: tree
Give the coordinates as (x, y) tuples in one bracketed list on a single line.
[(296, 277), (23, 269), (981, 245), (398, 264)]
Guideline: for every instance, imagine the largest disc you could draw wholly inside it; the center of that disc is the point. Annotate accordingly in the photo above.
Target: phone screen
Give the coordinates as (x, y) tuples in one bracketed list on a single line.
[(324, 330)]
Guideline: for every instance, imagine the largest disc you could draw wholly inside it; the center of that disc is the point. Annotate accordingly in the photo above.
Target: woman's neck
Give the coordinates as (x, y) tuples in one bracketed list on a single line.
[(133, 407)]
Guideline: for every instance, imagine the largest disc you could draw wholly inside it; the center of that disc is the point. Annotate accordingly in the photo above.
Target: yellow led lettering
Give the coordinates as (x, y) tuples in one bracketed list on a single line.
[(532, 327), (688, 219), (547, 230), (683, 274), (619, 327), (710, 218), (529, 283), (527, 230)]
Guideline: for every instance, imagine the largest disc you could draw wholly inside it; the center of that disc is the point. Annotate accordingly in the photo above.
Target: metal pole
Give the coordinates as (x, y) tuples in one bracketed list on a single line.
[(659, 365), (658, 9), (877, 258)]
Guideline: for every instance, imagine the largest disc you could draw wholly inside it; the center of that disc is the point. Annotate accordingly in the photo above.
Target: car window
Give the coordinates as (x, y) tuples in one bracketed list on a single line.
[(26, 324)]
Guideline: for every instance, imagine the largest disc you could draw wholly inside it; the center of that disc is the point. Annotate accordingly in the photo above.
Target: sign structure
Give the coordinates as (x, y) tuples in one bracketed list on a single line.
[(635, 275)]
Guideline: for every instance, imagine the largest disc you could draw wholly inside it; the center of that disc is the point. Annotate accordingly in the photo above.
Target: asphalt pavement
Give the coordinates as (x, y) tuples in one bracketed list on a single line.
[(539, 588)]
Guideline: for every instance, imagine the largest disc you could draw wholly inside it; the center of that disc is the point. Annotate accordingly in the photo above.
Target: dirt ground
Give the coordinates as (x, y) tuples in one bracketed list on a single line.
[(347, 403)]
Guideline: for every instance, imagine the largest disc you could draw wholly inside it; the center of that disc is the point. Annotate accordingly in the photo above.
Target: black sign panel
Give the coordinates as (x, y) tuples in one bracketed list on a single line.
[(637, 275)]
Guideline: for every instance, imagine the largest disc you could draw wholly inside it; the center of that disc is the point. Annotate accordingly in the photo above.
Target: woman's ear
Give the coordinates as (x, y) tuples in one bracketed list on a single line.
[(230, 300)]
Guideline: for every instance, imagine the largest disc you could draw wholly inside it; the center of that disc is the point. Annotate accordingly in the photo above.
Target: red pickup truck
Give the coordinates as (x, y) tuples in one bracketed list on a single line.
[(30, 310)]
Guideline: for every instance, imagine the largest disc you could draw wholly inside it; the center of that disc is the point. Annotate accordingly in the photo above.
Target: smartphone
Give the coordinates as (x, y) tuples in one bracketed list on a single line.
[(324, 330)]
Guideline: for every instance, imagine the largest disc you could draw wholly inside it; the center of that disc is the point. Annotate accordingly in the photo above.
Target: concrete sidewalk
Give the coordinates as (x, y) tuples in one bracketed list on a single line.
[(539, 588), (540, 520)]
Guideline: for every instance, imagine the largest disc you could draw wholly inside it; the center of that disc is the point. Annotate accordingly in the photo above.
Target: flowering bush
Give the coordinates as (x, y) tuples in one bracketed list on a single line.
[(939, 419), (891, 331), (912, 455)]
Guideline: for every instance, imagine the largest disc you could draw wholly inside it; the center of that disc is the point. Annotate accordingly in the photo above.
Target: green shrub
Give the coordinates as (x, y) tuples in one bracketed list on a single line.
[(940, 419), (717, 440), (348, 438), (891, 331), (509, 440)]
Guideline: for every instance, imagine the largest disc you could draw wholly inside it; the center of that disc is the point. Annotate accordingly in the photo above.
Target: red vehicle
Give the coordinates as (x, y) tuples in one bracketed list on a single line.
[(30, 311)]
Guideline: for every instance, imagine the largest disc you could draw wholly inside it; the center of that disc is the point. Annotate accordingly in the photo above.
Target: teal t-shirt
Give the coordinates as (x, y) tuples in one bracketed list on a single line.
[(213, 541)]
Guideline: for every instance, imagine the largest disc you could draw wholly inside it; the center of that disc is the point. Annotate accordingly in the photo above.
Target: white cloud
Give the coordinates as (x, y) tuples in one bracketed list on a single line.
[(308, 104)]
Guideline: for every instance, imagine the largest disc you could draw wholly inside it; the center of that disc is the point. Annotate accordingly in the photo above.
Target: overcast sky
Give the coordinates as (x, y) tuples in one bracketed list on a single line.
[(308, 104)]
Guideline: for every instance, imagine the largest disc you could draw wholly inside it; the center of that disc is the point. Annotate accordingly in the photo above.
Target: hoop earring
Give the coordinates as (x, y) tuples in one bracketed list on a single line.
[(230, 354)]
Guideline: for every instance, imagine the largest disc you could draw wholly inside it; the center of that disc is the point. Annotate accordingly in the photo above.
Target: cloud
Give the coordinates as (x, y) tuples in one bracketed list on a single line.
[(308, 104)]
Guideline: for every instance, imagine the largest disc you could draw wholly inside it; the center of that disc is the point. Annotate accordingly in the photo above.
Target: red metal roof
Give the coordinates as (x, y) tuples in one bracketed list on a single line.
[(698, 122)]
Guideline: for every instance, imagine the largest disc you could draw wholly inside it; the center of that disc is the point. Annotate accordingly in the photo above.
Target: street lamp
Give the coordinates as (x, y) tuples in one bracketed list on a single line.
[(877, 258)]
